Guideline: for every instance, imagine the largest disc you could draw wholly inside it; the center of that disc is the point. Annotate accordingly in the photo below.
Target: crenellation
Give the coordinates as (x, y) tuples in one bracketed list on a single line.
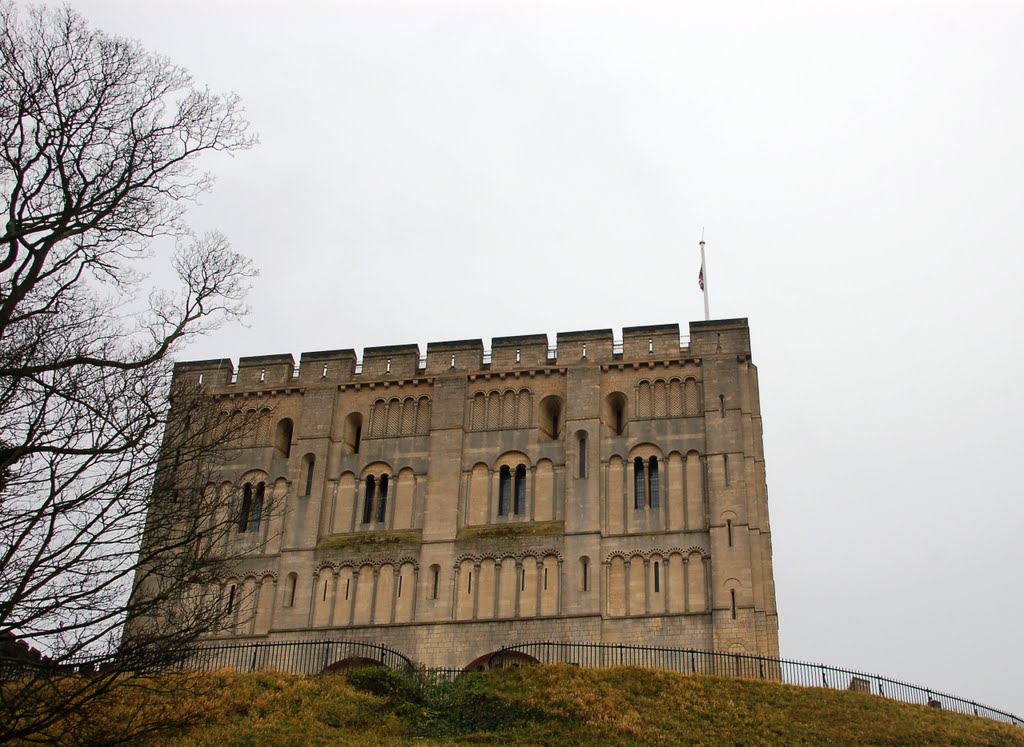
[(609, 493)]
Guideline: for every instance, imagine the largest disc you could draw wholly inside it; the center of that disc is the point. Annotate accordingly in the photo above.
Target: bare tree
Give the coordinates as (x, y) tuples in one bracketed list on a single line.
[(99, 143)]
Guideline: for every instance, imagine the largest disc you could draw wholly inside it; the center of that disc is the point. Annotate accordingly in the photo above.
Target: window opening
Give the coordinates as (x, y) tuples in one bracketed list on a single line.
[(348, 583), (325, 590), (650, 345), (545, 579), (309, 477), (399, 585), (520, 505), (657, 577), (231, 599), (437, 573), (246, 509), (583, 457), (522, 581), (292, 583), (257, 508), (368, 499), (504, 490), (263, 374), (638, 483), (721, 405), (382, 500), (359, 435), (732, 593), (584, 350), (469, 586), (728, 528), (200, 378), (324, 374), (725, 467), (453, 360), (652, 475), (519, 357), (586, 581), (387, 366)]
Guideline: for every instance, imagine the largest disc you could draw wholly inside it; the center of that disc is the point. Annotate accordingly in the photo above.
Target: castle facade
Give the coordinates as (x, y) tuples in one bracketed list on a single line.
[(450, 504)]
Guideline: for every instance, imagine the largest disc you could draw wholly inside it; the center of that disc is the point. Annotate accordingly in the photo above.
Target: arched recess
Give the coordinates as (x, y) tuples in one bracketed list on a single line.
[(344, 596), (485, 594), (352, 433), (545, 491), (343, 503), (405, 593), (528, 587), (614, 494), (283, 438), (405, 491), (363, 596), (637, 586), (551, 586), (676, 583), (508, 578), (615, 413), (479, 494), (323, 600), (551, 408), (676, 493), (696, 583), (656, 584), (383, 604), (695, 519), (467, 580), (617, 587)]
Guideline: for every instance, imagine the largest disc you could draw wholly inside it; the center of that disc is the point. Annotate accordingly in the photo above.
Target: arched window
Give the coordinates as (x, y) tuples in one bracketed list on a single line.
[(257, 508), (585, 573), (371, 484), (639, 497), (551, 416), (352, 433), (436, 576), (615, 413), (382, 500), (657, 577), (246, 508), (504, 490), (231, 600), (283, 439), (652, 478), (520, 505), (289, 595)]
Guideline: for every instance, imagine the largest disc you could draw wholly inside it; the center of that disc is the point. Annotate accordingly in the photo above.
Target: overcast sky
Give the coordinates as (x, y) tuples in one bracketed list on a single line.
[(444, 170)]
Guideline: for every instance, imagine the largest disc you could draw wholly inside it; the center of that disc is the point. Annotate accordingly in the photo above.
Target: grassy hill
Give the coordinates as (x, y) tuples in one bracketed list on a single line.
[(553, 705)]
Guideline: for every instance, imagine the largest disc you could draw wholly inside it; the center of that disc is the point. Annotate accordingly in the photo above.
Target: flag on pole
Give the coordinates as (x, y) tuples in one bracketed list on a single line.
[(700, 278)]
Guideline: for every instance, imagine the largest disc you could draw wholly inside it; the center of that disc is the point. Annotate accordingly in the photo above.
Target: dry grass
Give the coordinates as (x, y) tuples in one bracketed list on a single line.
[(555, 705)]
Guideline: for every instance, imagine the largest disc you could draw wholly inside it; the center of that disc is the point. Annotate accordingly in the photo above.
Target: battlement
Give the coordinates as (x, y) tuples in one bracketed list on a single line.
[(659, 342)]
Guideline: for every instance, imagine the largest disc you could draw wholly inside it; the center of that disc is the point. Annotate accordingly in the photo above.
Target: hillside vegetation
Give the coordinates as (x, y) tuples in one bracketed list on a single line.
[(551, 705)]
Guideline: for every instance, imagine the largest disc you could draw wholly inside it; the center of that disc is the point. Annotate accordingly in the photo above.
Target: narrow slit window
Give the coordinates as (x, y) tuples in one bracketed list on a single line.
[(324, 374), (586, 581), (325, 590), (519, 357), (309, 477), (387, 366), (469, 585), (348, 584), (650, 345), (382, 500), (583, 457), (257, 508), (263, 374), (728, 529), (359, 435), (584, 350), (545, 579), (732, 594), (504, 491), (520, 507), (437, 574), (246, 509), (399, 585), (657, 577), (292, 583), (231, 599), (725, 467), (522, 581), (721, 405)]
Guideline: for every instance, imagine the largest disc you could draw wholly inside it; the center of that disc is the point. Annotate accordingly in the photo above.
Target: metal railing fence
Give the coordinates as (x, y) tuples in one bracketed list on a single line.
[(292, 657), (692, 661)]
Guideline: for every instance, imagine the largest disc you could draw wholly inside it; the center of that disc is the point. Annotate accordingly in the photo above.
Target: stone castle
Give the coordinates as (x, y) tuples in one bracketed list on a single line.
[(450, 504)]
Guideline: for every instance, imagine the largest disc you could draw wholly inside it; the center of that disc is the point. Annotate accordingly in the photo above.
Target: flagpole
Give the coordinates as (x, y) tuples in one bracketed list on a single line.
[(704, 276)]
